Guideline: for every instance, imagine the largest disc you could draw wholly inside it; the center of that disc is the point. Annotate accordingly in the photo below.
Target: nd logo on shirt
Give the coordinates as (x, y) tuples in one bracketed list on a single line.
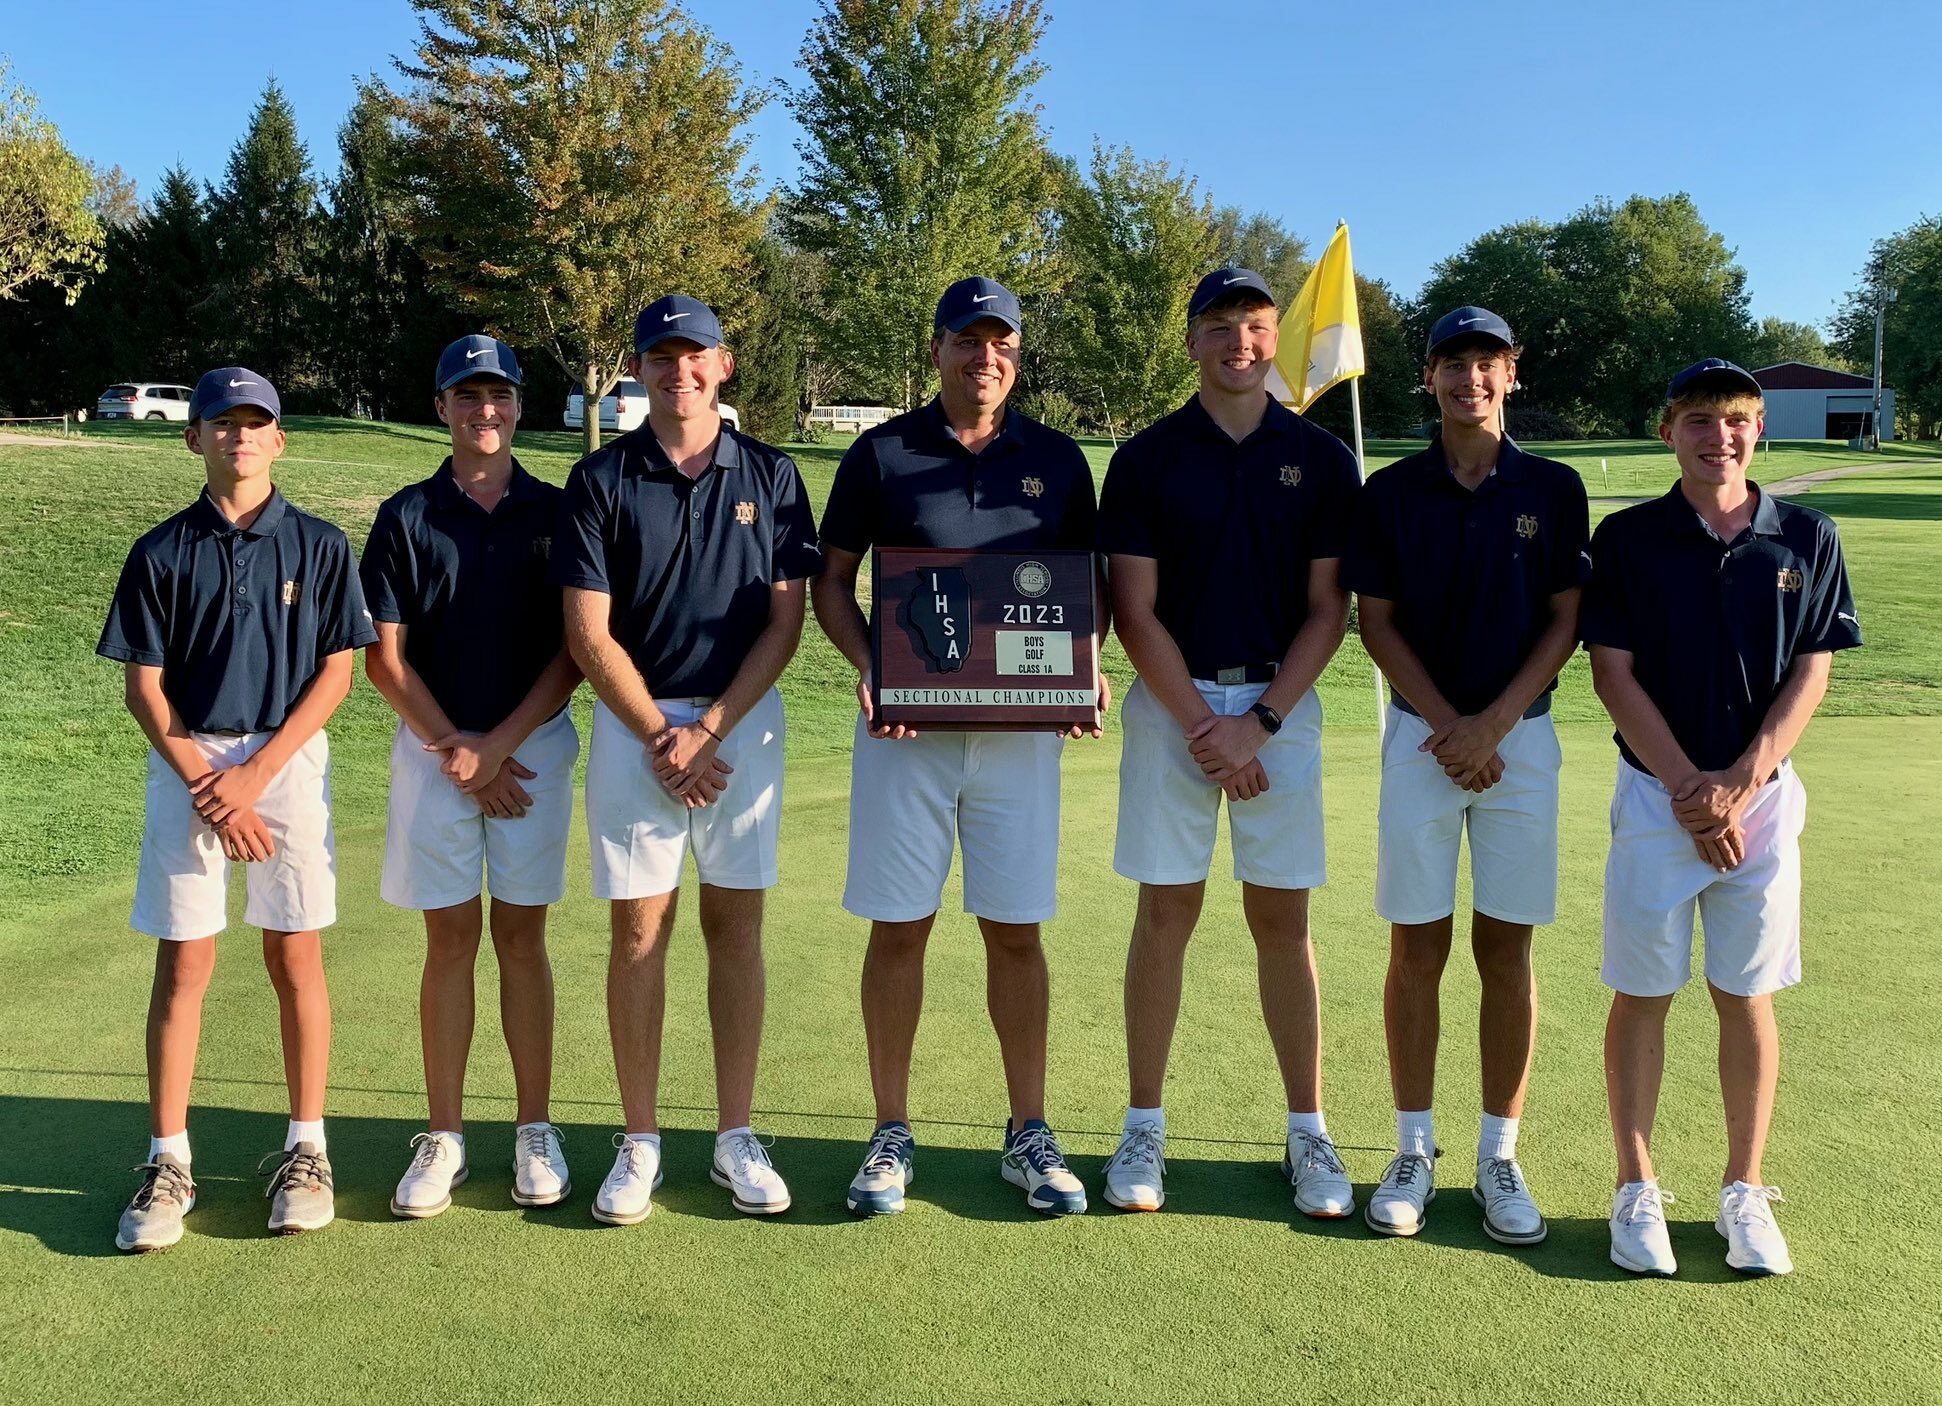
[(938, 615)]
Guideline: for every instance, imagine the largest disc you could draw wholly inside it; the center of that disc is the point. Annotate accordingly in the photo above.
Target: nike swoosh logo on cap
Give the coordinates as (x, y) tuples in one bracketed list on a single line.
[(1237, 278), (234, 384), (672, 316), (480, 352), (1466, 321), (985, 299)]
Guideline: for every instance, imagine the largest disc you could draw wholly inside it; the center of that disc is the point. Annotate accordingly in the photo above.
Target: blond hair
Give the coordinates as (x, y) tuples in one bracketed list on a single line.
[(1728, 399)]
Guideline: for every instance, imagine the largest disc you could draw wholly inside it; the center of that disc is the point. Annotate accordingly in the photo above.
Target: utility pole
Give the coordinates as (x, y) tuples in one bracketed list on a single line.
[(1886, 297)]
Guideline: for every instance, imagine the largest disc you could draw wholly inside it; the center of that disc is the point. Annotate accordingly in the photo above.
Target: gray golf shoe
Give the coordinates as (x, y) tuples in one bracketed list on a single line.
[(300, 1190), (153, 1220)]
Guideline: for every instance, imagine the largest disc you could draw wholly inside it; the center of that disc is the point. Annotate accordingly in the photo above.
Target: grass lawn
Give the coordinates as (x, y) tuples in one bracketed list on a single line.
[(1226, 1295)]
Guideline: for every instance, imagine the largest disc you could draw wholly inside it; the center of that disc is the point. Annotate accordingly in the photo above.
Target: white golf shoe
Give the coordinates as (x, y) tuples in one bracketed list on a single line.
[(1754, 1244), (437, 1165), (1136, 1172), (626, 1197), (1640, 1240), (539, 1174)]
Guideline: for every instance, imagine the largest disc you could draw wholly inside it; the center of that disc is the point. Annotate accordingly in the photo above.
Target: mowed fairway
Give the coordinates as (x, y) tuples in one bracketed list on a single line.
[(1227, 1295)]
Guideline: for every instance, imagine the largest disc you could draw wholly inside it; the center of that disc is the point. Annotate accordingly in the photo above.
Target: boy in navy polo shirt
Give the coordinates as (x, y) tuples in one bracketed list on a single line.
[(1223, 524), (965, 471), (685, 548), (1712, 616), (471, 653), (1468, 559), (235, 620)]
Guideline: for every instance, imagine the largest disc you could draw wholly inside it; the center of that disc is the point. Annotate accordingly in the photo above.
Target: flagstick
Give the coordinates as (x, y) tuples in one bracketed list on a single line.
[(1361, 474)]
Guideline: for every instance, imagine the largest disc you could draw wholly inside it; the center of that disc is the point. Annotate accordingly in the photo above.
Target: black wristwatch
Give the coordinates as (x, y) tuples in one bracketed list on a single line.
[(1270, 719)]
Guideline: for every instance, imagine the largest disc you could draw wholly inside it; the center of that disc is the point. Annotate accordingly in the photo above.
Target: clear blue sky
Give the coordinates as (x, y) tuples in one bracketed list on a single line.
[(1803, 131)]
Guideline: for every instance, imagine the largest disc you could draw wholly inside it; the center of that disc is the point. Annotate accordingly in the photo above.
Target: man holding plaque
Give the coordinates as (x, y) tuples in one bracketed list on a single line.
[(963, 472), (683, 547), (1222, 524)]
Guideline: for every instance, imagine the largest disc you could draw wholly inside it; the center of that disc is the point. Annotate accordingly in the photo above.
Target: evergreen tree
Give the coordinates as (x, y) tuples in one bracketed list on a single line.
[(263, 222), (923, 163)]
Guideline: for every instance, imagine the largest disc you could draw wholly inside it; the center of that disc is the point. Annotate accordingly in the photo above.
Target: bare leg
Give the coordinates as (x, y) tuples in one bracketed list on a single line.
[(731, 926), (1749, 1074), (1155, 961), (525, 1003), (1507, 1012), (1291, 996), (445, 1008), (637, 971), (174, 1028), (893, 999), (1635, 1063), (1411, 1009), (1018, 993), (296, 965)]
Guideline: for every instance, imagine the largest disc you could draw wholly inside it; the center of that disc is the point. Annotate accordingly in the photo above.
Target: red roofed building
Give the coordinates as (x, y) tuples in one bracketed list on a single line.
[(1818, 402)]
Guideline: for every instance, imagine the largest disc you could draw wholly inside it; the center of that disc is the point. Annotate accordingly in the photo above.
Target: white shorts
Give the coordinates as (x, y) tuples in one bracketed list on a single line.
[(436, 839), (914, 800), (639, 833), (1168, 809), (1513, 828), (1654, 879), (181, 888)]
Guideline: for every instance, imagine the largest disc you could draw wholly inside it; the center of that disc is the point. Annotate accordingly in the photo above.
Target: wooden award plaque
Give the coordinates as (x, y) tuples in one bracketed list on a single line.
[(981, 641)]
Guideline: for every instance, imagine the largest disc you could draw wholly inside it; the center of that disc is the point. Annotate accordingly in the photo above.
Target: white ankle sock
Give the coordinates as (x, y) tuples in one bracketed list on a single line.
[(1415, 1132), (654, 1138), (175, 1144), (1155, 1116), (1498, 1138), (726, 1133), (1307, 1123), (304, 1132)]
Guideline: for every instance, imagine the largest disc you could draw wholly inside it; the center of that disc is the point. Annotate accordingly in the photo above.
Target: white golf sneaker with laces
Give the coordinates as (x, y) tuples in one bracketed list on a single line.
[(539, 1175), (1754, 1244), (742, 1165), (1640, 1240), (1398, 1204), (1321, 1182), (1136, 1172), (627, 1195), (1510, 1213), (437, 1165)]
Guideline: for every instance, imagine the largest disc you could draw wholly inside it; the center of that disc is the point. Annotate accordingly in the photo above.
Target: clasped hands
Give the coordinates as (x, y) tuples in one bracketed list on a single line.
[(484, 768), (1466, 749), (225, 801), (1709, 805), (1225, 749), (685, 761)]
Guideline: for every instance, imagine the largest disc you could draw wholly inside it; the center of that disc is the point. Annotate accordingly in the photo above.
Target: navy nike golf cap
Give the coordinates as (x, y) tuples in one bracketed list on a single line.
[(477, 355), (1468, 322), (1712, 374), (1225, 283), (969, 299), (227, 387), (677, 315)]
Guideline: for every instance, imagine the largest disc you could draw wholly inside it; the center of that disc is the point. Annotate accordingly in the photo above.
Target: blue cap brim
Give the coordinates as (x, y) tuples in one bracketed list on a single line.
[(215, 408), (470, 372), (1719, 378), (983, 315), (700, 339)]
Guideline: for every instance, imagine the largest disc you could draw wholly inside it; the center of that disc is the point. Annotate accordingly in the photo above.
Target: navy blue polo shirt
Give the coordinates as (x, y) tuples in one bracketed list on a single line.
[(910, 482), (1714, 627), (689, 562), (482, 622), (1471, 571), (239, 620), (1234, 527)]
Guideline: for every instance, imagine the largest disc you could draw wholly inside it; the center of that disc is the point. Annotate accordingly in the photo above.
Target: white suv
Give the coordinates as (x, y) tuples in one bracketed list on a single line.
[(143, 400), (622, 408)]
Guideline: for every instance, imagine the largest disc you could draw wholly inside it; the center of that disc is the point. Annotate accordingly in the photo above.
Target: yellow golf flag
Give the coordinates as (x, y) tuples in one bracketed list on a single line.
[(1321, 332)]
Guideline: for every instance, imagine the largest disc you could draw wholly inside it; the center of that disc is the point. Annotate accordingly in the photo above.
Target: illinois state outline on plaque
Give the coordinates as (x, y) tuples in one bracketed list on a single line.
[(938, 616)]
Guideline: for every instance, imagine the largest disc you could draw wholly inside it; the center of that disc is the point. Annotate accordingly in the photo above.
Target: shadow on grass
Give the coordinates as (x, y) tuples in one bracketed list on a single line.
[(64, 1177)]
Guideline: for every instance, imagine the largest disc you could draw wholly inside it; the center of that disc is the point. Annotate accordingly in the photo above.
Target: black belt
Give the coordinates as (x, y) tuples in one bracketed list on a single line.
[(1536, 710), (1246, 673)]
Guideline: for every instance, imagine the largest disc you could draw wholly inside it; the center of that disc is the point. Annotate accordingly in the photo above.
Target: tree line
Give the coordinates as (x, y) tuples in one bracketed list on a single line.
[(543, 168)]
